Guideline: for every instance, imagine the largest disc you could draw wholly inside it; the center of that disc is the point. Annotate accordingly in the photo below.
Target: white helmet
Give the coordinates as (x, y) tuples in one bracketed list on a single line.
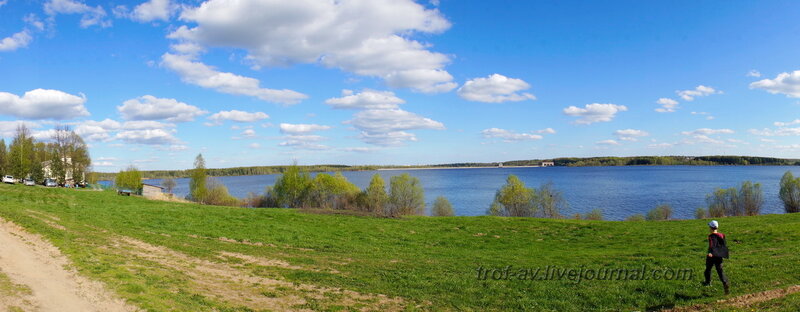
[(713, 224)]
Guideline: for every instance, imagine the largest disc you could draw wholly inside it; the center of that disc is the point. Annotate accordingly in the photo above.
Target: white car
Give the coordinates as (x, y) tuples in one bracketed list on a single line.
[(29, 182), (9, 179)]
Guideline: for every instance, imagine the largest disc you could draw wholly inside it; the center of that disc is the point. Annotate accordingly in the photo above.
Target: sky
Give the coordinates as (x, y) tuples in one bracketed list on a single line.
[(357, 82)]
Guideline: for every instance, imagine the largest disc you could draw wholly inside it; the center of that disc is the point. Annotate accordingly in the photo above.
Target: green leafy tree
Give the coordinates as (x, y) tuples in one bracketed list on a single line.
[(3, 157), (751, 198), (217, 194), (331, 192), (129, 179), (549, 202), (375, 197), (20, 155), (790, 192), (514, 199), (442, 207), (406, 196), (291, 188), (700, 213), (197, 182)]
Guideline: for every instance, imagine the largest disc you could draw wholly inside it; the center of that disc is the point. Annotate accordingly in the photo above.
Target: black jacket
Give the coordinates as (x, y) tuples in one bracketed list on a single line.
[(717, 246)]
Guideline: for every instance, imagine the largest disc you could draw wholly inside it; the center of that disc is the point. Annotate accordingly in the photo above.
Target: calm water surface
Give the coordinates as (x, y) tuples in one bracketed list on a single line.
[(617, 191)]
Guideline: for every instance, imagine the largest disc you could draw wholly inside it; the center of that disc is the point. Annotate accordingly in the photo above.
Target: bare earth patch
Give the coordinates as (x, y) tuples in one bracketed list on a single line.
[(38, 271), (741, 301)]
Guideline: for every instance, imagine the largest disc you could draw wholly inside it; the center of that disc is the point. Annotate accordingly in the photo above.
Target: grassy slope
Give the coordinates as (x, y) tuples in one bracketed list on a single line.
[(426, 261)]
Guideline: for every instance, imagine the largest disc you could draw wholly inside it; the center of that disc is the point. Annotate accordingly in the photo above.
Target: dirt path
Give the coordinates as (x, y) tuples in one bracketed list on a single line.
[(740, 301), (39, 268)]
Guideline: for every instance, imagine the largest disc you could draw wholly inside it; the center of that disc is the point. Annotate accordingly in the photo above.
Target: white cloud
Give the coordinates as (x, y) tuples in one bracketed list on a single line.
[(784, 83), (43, 104), (707, 131), (630, 134), (387, 126), (147, 136), (9, 128), (206, 76), (790, 123), (153, 10), (16, 41), (667, 105), (547, 131), (148, 107), (3, 2), (607, 142), (708, 116), (778, 132), (661, 145), (508, 136), (237, 116), (753, 73), (91, 130), (393, 138), (368, 38), (701, 90), (360, 149), (304, 142), (495, 88), (254, 146), (90, 16), (595, 112), (102, 164), (366, 99), (767, 140), (301, 128)]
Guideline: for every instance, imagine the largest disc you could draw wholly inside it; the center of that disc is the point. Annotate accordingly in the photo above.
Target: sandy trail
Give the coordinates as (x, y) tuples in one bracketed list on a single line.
[(30, 261)]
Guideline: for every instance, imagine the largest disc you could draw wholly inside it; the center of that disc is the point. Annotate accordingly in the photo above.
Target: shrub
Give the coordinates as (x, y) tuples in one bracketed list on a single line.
[(291, 188), (406, 196), (746, 201), (549, 202), (130, 179), (217, 194), (330, 192), (660, 213), (169, 184), (700, 213), (442, 207), (751, 198), (790, 192), (595, 214), (197, 183), (636, 217)]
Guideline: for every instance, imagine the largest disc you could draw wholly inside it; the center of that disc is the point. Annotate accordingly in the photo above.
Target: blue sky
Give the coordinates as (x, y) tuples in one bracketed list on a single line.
[(402, 82)]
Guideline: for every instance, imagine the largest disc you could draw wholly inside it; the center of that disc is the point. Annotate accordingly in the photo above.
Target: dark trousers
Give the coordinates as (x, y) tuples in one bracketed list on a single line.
[(717, 263)]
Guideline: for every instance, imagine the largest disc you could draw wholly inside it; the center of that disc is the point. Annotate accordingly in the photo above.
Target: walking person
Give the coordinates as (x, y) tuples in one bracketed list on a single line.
[(717, 250)]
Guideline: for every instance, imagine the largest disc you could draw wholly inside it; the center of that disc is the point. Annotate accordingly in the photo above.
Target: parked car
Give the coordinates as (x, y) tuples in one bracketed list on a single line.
[(9, 179), (50, 183), (29, 182)]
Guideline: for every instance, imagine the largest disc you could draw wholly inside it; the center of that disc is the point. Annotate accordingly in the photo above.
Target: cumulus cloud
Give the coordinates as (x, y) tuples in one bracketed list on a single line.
[(148, 137), (708, 116), (701, 90), (495, 88), (304, 142), (366, 99), (547, 131), (753, 73), (16, 41), (776, 132), (595, 112), (237, 116), (9, 128), (784, 83), (368, 38), (660, 145), (630, 134), (702, 136), (784, 124), (359, 149), (301, 128), (90, 16), (148, 11), (43, 104), (387, 126), (607, 143), (197, 73), (508, 136), (148, 107), (92, 130), (667, 105)]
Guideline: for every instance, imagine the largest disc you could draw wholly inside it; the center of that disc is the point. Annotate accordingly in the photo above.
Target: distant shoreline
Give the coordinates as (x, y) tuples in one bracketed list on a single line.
[(445, 168)]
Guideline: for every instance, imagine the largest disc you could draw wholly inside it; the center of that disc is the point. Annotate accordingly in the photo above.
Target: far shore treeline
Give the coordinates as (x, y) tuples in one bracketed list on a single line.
[(565, 161)]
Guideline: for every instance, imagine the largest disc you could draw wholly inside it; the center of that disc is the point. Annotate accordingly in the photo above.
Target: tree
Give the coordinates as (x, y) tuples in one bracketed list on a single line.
[(745, 201), (375, 196), (406, 196), (130, 179), (70, 159), (197, 183), (700, 213), (217, 194), (3, 157), (514, 199), (291, 188), (20, 155), (326, 191), (169, 184), (660, 213), (751, 198), (549, 202), (442, 207), (790, 192)]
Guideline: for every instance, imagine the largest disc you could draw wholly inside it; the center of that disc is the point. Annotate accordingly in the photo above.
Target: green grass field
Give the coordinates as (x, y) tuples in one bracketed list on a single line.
[(165, 256)]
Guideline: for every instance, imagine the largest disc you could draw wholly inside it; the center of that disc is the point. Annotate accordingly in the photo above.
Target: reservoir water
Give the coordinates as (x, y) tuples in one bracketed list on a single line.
[(617, 191)]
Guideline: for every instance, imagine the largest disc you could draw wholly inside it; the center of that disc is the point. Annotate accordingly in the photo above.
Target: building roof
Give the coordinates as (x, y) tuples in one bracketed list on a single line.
[(161, 187)]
